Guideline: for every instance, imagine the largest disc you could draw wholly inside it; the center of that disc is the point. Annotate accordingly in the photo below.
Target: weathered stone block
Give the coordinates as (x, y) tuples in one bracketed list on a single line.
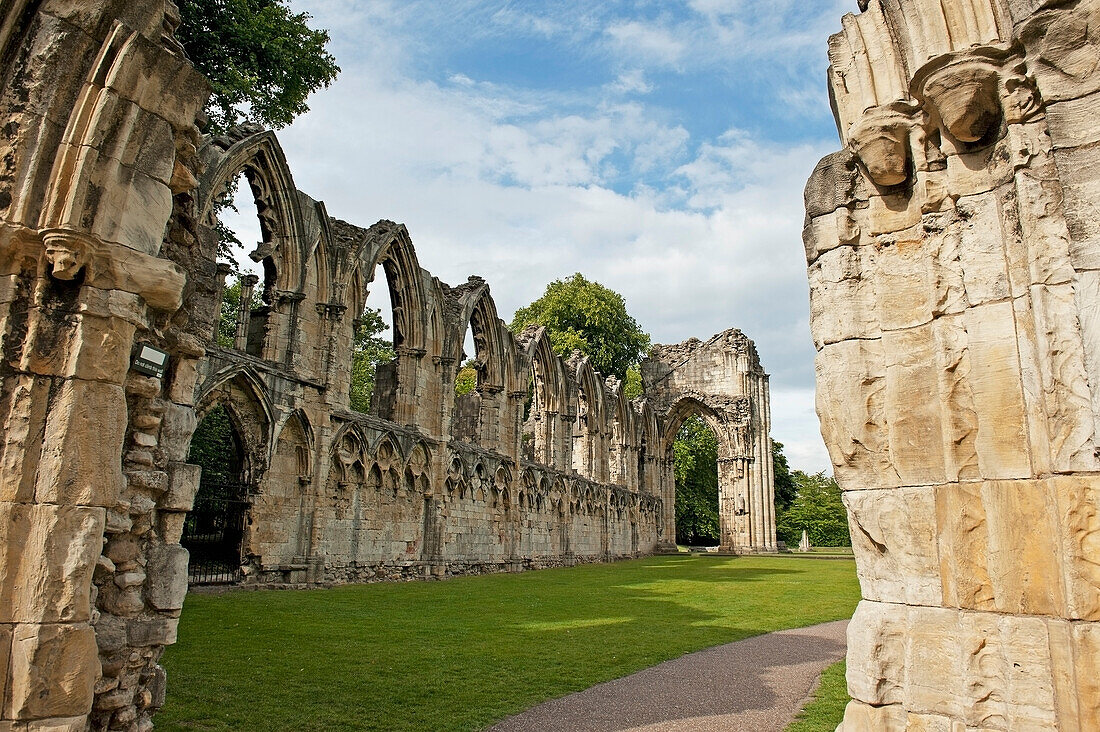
[(176, 429), (876, 653), (183, 483), (894, 537), (53, 671), (47, 556), (962, 546), (1002, 439), (24, 427), (1077, 517), (859, 717), (157, 631), (850, 403), (82, 456), (912, 385), (167, 577), (847, 306)]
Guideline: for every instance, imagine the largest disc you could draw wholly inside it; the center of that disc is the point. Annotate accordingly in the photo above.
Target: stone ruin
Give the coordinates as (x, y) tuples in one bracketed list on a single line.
[(110, 292), (954, 266)]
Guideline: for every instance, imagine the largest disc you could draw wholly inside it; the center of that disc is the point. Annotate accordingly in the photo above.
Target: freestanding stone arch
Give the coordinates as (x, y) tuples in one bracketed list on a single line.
[(720, 380), (954, 267)]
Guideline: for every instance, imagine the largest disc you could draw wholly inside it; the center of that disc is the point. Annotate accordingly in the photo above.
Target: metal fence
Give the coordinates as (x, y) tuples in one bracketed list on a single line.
[(213, 532)]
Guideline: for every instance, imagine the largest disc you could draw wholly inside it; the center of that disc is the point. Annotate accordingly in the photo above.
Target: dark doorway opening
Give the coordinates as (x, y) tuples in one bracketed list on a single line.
[(214, 530)]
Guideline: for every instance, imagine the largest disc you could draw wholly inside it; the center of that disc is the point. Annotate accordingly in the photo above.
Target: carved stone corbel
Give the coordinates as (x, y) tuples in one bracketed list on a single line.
[(880, 140), (113, 267), (971, 91)]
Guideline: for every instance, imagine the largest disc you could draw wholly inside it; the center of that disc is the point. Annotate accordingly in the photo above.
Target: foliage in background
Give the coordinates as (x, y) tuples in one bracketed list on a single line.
[(816, 509), (227, 323), (785, 489), (586, 316), (368, 351), (215, 448), (465, 653), (632, 384), (696, 458), (262, 59), (466, 379)]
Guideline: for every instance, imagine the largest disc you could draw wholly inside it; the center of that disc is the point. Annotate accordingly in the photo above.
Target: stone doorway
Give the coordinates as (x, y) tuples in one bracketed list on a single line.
[(214, 530)]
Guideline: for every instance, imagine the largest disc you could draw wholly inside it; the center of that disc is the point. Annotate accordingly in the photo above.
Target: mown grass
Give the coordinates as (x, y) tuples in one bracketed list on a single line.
[(826, 710), (461, 654)]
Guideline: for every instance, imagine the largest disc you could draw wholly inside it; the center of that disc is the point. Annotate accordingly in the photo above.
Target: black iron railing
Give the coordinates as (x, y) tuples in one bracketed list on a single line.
[(213, 532)]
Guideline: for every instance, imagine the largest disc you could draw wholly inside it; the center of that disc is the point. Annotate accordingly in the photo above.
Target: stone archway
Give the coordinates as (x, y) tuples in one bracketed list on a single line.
[(680, 380)]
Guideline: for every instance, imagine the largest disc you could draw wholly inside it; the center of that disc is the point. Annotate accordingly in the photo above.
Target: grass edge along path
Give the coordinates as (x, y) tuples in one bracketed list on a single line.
[(464, 653), (825, 709)]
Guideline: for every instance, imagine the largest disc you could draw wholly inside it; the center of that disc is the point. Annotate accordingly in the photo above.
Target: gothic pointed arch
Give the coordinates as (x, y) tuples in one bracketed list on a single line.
[(256, 153), (477, 312), (389, 245)]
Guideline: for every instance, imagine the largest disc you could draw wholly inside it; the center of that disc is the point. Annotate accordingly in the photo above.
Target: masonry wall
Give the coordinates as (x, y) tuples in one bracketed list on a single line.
[(952, 266), (107, 246)]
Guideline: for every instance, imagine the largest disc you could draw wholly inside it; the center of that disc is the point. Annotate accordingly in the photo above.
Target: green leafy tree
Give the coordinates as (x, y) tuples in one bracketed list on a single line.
[(816, 509), (368, 351), (785, 488), (227, 322), (632, 384), (586, 316), (215, 448), (696, 459), (262, 59), (466, 380)]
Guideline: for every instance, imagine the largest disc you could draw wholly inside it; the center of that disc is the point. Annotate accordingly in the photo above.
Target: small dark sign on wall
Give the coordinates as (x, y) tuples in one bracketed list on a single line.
[(150, 361)]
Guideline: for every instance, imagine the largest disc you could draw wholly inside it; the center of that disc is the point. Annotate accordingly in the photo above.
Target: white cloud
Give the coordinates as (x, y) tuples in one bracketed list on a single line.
[(648, 41), (523, 186), (631, 82)]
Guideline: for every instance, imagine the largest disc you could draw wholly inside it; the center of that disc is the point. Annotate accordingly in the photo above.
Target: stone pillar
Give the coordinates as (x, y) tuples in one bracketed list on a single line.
[(223, 271), (86, 233), (952, 254), (244, 311)]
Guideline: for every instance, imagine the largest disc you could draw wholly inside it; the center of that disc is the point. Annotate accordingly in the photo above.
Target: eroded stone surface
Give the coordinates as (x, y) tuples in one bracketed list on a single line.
[(957, 390)]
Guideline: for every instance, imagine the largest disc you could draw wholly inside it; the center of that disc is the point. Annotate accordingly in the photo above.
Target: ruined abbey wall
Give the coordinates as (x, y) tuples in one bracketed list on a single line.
[(954, 271), (107, 246)]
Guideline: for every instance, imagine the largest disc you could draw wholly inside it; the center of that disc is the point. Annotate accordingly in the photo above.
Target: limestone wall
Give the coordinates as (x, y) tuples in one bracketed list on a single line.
[(107, 246), (953, 272)]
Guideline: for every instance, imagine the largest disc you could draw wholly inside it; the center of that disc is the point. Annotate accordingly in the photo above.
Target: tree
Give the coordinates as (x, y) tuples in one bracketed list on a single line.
[(368, 350), (466, 380), (696, 459), (817, 509), (785, 488), (586, 316), (262, 60), (226, 334)]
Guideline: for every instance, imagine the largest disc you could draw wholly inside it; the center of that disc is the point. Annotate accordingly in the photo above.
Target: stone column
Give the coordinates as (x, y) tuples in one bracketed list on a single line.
[(951, 249), (244, 312), (223, 271)]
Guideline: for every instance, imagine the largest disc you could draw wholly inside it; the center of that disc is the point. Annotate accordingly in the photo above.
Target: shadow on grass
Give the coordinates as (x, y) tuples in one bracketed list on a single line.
[(461, 654)]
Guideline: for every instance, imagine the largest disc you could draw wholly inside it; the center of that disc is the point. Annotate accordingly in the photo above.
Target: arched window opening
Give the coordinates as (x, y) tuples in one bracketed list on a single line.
[(245, 229), (532, 418), (373, 366), (695, 452), (466, 421), (214, 529)]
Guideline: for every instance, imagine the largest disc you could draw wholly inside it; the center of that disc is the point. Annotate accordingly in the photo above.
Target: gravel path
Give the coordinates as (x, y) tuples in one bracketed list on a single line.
[(755, 685)]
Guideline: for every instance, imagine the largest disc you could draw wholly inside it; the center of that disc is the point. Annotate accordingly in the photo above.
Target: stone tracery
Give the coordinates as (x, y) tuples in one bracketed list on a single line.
[(103, 250)]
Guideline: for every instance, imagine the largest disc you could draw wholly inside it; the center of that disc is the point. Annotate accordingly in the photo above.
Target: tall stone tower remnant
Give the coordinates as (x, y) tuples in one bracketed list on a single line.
[(954, 265)]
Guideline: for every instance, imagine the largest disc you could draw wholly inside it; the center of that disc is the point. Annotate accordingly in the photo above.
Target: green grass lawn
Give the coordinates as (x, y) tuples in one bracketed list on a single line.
[(461, 654), (826, 710)]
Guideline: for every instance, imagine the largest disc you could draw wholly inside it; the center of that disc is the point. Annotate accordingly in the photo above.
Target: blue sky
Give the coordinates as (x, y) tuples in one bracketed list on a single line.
[(660, 148)]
